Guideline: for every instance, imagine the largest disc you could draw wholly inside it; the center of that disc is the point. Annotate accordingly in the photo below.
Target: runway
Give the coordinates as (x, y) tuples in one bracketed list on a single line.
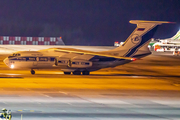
[(147, 89)]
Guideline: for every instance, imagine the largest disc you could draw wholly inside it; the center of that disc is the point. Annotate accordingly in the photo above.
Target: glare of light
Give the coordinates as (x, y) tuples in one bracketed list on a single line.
[(12, 66), (133, 59)]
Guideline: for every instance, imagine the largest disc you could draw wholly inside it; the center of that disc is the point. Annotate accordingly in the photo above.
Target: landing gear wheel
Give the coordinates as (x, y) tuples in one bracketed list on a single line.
[(85, 72), (32, 72), (77, 73), (67, 73)]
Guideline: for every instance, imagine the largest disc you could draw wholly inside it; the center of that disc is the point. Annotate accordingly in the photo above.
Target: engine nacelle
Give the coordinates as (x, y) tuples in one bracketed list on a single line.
[(73, 63)]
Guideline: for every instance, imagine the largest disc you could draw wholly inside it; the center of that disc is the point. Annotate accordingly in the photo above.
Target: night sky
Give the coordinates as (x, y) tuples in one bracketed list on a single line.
[(85, 22)]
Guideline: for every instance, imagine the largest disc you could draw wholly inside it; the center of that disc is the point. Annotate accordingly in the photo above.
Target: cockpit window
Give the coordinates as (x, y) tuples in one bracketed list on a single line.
[(14, 55)]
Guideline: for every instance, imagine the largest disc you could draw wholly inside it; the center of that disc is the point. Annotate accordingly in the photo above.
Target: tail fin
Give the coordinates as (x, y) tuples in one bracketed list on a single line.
[(60, 41), (136, 44), (176, 36)]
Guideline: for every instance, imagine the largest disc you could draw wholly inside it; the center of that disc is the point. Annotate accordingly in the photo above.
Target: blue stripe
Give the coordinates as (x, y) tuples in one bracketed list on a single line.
[(145, 38), (141, 55)]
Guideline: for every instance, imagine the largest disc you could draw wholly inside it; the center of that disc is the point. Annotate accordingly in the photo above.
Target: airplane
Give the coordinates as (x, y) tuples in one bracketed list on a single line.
[(174, 40), (77, 62), (169, 44)]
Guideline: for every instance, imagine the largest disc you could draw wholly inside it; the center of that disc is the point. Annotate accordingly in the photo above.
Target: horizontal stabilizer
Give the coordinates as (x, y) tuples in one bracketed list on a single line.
[(141, 21)]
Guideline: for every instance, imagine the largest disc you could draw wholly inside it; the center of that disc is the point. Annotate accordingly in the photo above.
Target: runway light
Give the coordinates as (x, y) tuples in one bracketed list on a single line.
[(12, 66)]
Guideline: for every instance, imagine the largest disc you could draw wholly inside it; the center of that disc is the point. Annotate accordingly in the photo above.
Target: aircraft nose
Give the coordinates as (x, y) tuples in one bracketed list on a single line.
[(6, 61)]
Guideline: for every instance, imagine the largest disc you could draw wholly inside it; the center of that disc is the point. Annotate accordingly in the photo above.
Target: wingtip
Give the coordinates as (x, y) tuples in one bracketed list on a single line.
[(172, 22), (133, 59), (144, 21)]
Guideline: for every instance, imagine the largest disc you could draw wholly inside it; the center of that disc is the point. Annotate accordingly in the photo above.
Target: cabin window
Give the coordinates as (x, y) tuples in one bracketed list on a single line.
[(31, 58), (63, 61), (43, 58), (84, 63), (13, 55), (21, 58), (76, 63), (13, 58), (59, 61), (52, 58)]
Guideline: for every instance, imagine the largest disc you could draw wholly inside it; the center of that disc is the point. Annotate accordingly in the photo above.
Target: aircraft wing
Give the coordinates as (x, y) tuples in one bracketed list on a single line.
[(85, 52)]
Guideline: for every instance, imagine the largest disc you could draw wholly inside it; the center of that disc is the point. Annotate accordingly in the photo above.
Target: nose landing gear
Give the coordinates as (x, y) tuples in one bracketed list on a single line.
[(32, 72)]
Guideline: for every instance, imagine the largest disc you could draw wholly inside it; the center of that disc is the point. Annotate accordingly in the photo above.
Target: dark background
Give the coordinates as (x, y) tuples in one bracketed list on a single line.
[(85, 22)]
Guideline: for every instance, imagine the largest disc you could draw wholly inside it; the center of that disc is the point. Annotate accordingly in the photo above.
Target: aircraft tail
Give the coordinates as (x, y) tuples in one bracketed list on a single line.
[(176, 36), (60, 41), (136, 44)]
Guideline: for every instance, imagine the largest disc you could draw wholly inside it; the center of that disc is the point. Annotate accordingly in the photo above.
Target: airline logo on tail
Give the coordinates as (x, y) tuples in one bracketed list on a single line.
[(136, 39)]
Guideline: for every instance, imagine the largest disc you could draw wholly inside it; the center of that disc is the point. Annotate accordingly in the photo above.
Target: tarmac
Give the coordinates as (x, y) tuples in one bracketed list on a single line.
[(146, 89)]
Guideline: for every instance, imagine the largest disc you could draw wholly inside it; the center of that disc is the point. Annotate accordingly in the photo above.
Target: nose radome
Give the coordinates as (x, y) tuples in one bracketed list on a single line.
[(6, 61)]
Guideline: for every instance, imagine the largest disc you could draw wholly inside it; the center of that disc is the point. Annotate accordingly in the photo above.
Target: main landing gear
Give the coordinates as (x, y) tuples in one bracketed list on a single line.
[(85, 72), (32, 72), (78, 73), (67, 73)]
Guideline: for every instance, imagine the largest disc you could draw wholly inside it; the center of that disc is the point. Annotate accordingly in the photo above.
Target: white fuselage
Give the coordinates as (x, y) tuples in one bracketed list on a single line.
[(30, 60), (55, 60)]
